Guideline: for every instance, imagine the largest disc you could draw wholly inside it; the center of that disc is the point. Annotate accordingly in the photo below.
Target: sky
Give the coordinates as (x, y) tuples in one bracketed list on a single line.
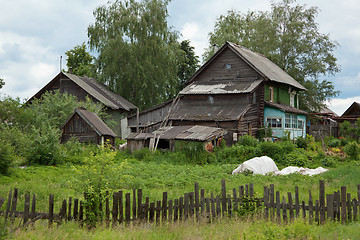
[(35, 33)]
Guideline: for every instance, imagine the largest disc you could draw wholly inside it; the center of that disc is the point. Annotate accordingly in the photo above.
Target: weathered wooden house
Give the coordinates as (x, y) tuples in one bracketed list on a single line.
[(351, 114), (242, 92), (177, 138), (323, 123), (87, 127), (81, 87)]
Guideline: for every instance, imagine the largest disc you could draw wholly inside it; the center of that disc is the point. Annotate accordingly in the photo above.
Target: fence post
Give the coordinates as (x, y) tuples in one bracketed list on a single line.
[(26, 208), (127, 208), (81, 213), (310, 207), (33, 208), (158, 212), (69, 209), (266, 203), (121, 207), (13, 205), (297, 202), (348, 203), (152, 212), (330, 206), (322, 200), (8, 205), (76, 209), (170, 214), (223, 196), (164, 206), (354, 204), (284, 210), (139, 199), (134, 205), (186, 206), (176, 207), (278, 207), (115, 208), (291, 210), (197, 201), (343, 204), (107, 209), (202, 200), (272, 200)]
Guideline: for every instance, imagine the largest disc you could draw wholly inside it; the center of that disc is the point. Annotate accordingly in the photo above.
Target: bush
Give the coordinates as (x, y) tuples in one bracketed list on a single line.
[(334, 143), (272, 150), (297, 158), (352, 149), (6, 157), (236, 154), (287, 146), (301, 143), (247, 141)]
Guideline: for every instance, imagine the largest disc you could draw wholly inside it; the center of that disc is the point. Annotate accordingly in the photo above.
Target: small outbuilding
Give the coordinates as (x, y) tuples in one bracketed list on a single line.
[(87, 127), (177, 138)]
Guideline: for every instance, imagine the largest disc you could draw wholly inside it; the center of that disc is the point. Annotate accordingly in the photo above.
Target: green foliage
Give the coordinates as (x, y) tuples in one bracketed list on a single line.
[(346, 130), (188, 63), (45, 147), (80, 61), (6, 157), (4, 232), (248, 206), (137, 51), (96, 175), (352, 149), (334, 142), (301, 143), (289, 36), (247, 140), (2, 83), (296, 158)]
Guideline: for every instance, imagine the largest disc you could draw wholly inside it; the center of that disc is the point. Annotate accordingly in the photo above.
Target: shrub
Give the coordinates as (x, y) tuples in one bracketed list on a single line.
[(272, 150), (297, 158), (247, 140), (6, 157), (334, 143), (352, 149), (301, 143), (287, 146)]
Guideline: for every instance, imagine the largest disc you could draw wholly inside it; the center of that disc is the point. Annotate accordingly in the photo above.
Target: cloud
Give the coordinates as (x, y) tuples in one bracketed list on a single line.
[(339, 105)]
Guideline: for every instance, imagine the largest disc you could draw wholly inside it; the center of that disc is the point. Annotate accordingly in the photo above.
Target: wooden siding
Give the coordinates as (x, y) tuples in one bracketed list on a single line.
[(216, 70)]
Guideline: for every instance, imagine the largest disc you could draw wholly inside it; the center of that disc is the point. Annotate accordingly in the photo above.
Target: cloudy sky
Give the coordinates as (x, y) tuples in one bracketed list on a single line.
[(35, 33)]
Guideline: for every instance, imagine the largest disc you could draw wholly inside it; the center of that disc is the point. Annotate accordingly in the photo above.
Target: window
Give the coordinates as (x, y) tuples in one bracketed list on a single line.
[(274, 122), (292, 121), (287, 120), (300, 124), (271, 94), (254, 97), (211, 99)]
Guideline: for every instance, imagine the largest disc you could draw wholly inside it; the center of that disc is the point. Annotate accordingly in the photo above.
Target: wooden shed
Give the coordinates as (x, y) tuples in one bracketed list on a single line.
[(87, 127)]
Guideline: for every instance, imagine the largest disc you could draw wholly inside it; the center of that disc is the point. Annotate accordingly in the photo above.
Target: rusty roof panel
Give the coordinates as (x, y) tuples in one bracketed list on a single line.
[(221, 87)]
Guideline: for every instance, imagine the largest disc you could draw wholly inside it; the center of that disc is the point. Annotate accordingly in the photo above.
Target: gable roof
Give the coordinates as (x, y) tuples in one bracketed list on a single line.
[(97, 90), (352, 111), (94, 121), (258, 62)]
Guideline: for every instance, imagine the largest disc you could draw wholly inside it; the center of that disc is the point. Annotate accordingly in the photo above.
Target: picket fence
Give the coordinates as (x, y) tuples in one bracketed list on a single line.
[(194, 206)]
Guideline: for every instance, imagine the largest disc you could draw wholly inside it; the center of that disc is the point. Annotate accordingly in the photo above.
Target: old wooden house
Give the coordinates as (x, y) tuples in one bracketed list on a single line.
[(81, 87), (87, 127), (242, 92), (351, 114), (177, 138), (323, 123)]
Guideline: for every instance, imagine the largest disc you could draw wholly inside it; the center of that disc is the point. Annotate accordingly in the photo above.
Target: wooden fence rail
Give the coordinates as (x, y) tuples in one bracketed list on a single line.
[(194, 206)]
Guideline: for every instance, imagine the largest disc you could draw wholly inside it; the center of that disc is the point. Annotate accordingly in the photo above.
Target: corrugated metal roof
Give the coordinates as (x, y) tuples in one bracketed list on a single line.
[(269, 69), (192, 133), (209, 112), (95, 122), (101, 92), (285, 108), (221, 87)]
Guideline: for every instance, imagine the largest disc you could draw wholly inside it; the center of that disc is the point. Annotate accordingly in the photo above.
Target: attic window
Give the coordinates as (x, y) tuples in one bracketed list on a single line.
[(228, 66), (211, 99)]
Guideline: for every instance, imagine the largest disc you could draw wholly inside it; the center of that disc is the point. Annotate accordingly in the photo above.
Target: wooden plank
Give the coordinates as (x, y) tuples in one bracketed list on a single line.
[(266, 203), (51, 209), (81, 213), (291, 208), (218, 206), (8, 205), (272, 202), (63, 214), (343, 204), (69, 209), (311, 215), (208, 207), (115, 209), (251, 190), (170, 207), (297, 202), (127, 208), (164, 206), (134, 203), (197, 201), (322, 200), (146, 209), (121, 207), (139, 202), (284, 207), (223, 197), (354, 205), (191, 204), (158, 212), (229, 210), (152, 212), (76, 209), (246, 190), (107, 209), (176, 211), (202, 202), (181, 208), (33, 208), (317, 211), (13, 205), (348, 204), (303, 208), (186, 206), (278, 207), (330, 206), (241, 192), (26, 208), (213, 209), (235, 200), (337, 197)]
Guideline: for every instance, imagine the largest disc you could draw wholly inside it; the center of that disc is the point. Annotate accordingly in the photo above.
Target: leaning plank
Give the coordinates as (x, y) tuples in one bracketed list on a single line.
[(13, 205), (26, 208)]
